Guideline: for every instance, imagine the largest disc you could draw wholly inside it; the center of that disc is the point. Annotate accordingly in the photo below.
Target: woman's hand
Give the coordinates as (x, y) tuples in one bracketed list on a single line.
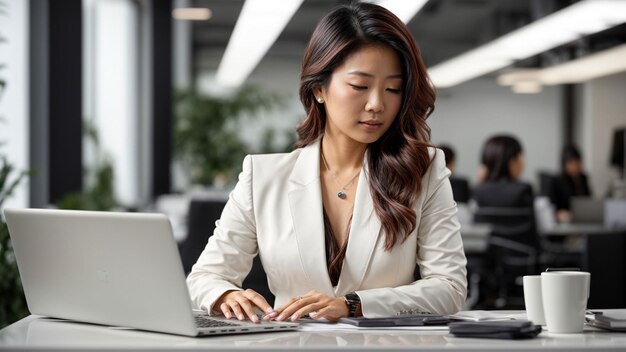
[(317, 305), (242, 303)]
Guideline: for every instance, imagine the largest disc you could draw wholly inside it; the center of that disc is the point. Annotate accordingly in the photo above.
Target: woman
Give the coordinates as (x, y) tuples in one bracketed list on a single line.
[(507, 205), (340, 223), (570, 183), (502, 165)]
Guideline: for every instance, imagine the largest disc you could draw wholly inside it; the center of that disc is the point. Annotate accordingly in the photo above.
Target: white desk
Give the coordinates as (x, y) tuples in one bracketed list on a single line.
[(42, 334)]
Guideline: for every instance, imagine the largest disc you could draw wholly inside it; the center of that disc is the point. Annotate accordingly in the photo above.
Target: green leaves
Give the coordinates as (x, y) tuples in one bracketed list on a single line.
[(205, 131), (13, 303)]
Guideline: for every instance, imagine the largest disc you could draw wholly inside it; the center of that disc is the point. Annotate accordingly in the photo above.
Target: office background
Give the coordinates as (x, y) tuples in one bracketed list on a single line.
[(117, 64)]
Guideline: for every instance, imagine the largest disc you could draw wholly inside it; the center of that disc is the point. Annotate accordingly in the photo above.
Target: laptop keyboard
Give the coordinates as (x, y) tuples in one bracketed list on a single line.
[(207, 322)]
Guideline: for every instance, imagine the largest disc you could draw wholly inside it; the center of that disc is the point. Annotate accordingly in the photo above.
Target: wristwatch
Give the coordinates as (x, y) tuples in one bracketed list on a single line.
[(353, 301)]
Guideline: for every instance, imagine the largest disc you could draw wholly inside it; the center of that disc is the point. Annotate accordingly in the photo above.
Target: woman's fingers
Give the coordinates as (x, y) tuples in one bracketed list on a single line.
[(225, 310), (260, 302), (242, 305), (248, 308), (291, 307), (236, 308)]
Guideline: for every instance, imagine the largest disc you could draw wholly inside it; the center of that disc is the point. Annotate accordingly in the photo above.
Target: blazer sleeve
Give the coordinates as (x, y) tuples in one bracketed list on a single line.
[(227, 258), (442, 288)]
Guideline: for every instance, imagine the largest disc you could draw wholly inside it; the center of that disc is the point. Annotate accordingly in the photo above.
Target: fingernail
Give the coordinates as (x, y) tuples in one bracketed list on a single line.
[(312, 314), (227, 315), (294, 317), (281, 317), (255, 319), (240, 316), (269, 311)]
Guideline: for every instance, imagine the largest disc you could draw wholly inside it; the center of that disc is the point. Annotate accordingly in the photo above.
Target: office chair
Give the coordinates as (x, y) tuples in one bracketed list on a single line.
[(203, 213), (513, 251)]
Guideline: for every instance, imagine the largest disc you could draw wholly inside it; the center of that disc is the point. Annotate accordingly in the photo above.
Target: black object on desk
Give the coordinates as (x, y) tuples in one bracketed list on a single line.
[(413, 320), (510, 329)]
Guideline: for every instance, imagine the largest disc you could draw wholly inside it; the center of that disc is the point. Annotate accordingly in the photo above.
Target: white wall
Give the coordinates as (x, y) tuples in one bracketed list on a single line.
[(466, 115), (14, 112), (604, 110)]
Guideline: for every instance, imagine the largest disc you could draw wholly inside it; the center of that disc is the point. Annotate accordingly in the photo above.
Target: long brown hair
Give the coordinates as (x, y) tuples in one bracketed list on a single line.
[(399, 159)]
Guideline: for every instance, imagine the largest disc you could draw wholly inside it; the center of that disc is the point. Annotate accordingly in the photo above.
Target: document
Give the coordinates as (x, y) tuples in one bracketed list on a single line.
[(491, 315), (325, 325)]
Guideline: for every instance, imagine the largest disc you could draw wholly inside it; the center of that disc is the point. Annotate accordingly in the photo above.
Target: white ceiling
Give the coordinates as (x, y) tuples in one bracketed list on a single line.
[(442, 29)]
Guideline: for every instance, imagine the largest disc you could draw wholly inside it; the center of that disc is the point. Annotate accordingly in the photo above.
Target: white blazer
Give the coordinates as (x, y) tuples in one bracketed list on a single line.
[(275, 211)]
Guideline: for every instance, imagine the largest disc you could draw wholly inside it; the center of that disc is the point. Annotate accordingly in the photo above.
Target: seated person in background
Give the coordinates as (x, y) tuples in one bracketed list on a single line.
[(503, 164), (460, 186), (571, 182), (507, 204)]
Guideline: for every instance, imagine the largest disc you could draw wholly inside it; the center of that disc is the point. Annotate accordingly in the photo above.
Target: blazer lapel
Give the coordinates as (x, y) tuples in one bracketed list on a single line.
[(305, 202), (364, 233)]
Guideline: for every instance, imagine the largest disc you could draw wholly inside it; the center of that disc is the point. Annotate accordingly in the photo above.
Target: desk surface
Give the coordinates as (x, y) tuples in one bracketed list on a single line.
[(36, 333), (566, 229)]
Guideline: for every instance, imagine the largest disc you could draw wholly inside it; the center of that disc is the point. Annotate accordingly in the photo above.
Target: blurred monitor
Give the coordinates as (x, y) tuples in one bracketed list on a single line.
[(587, 210), (615, 213), (618, 157)]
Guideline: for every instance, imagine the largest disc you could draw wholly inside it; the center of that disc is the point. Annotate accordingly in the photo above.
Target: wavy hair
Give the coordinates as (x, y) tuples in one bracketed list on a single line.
[(398, 160)]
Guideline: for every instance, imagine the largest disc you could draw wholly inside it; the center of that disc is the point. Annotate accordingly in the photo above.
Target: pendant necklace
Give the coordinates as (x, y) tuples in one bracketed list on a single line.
[(342, 193)]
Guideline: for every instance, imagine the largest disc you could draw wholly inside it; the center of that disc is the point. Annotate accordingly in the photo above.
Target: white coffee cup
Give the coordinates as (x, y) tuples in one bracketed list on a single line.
[(564, 295), (533, 300)]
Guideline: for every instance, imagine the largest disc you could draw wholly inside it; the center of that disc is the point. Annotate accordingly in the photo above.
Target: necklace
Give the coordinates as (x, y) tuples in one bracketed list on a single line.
[(342, 193)]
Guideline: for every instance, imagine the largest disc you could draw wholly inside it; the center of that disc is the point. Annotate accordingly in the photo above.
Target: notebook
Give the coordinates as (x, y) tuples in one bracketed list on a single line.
[(118, 269), (610, 319)]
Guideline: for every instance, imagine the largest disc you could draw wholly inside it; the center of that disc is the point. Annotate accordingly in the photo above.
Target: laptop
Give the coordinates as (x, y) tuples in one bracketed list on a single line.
[(587, 210), (118, 269)]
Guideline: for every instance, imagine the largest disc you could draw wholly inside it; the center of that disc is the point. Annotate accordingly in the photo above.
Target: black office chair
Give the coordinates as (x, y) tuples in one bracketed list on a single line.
[(201, 218), (513, 251)]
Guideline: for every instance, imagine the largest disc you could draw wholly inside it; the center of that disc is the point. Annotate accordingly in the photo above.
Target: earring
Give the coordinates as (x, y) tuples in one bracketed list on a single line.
[(320, 100)]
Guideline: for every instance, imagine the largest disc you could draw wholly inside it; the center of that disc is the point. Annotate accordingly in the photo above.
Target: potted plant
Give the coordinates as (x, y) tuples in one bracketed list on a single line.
[(13, 304), (100, 192), (206, 141)]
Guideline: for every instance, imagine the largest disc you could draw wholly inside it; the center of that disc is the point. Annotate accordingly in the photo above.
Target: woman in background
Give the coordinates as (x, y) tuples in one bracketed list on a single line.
[(503, 165), (572, 182), (340, 223)]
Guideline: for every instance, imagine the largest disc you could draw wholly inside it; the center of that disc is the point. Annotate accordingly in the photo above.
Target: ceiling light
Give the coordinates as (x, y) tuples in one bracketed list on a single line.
[(527, 87), (192, 13), (405, 10), (603, 63), (258, 26), (575, 21)]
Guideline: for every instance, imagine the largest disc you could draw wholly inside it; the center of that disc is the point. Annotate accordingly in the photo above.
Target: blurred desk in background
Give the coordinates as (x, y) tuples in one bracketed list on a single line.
[(604, 256), (475, 237)]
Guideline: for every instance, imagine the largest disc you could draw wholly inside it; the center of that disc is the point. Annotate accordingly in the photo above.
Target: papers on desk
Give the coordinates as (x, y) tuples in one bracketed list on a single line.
[(483, 315), (474, 315), (315, 325)]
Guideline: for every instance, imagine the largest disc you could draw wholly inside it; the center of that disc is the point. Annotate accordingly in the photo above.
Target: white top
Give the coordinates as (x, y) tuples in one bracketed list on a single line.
[(276, 211)]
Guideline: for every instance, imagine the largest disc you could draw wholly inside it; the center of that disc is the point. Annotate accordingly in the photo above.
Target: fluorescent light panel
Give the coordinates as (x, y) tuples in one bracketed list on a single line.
[(258, 26), (604, 63), (404, 9), (191, 13), (578, 20)]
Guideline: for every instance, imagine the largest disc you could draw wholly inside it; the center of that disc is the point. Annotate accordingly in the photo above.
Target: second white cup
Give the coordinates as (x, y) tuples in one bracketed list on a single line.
[(533, 300), (564, 295)]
